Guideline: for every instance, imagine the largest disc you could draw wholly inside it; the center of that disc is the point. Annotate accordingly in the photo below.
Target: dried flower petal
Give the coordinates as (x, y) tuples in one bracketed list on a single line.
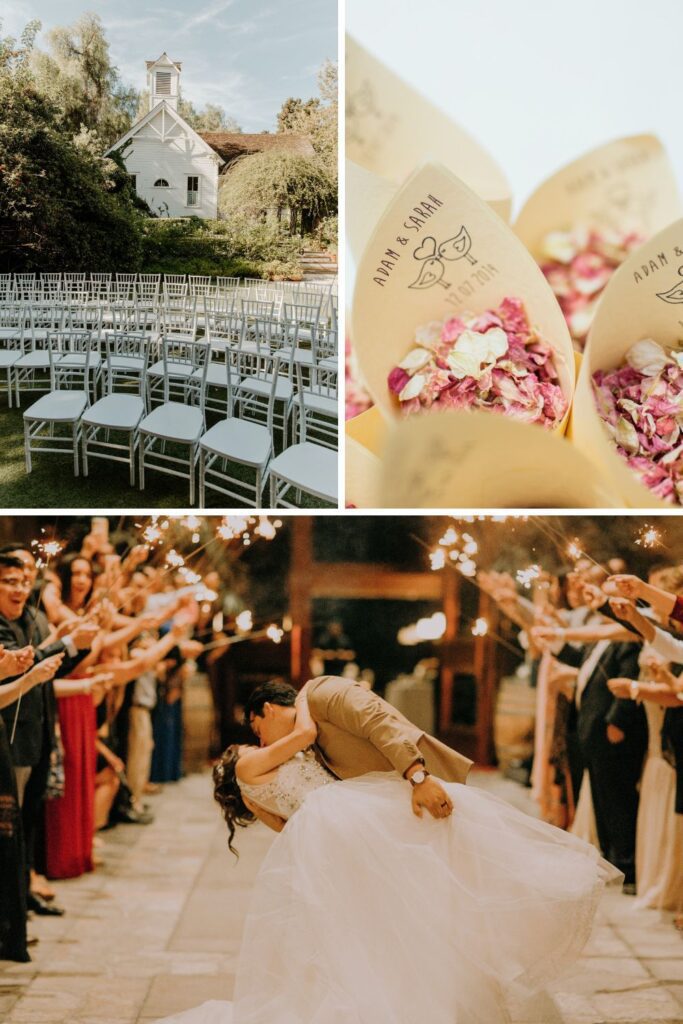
[(494, 360), (647, 356), (577, 265), (641, 405)]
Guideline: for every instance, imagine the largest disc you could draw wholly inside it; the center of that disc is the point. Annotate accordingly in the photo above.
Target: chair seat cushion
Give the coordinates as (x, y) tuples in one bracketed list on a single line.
[(216, 375), (126, 362), (59, 406), (120, 412), (78, 359), (309, 466), (322, 404), (174, 369), (38, 359), (239, 440), (174, 422), (256, 386)]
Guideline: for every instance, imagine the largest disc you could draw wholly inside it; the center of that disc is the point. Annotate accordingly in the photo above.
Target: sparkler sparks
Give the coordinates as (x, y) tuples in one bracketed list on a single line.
[(649, 537), (574, 550), (244, 621), (174, 560), (274, 633), (525, 577), (437, 559)]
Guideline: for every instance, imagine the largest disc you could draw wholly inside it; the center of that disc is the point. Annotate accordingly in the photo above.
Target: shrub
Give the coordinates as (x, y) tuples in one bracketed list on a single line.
[(227, 248)]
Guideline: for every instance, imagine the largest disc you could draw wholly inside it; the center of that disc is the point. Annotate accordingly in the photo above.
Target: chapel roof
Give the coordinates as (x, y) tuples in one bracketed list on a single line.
[(230, 145)]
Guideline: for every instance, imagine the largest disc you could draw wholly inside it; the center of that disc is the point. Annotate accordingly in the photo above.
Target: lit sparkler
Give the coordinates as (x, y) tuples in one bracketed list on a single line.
[(525, 577), (649, 537)]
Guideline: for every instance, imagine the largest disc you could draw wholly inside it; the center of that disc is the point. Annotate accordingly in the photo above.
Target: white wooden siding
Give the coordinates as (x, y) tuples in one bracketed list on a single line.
[(163, 149)]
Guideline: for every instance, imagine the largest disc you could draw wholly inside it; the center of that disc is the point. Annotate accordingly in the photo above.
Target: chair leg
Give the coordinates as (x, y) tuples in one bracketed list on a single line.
[(131, 456), (84, 450), (9, 386), (27, 446), (202, 482), (273, 490), (141, 475), (74, 439), (192, 457)]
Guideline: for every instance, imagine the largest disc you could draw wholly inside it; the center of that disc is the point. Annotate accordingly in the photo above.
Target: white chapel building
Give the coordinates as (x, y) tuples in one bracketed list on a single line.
[(173, 169), (176, 169)]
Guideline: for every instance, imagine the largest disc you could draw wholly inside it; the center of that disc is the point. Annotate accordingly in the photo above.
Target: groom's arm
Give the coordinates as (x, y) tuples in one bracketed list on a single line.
[(362, 713)]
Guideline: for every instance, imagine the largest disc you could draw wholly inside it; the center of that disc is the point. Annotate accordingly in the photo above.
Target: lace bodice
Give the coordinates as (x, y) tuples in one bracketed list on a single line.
[(295, 779)]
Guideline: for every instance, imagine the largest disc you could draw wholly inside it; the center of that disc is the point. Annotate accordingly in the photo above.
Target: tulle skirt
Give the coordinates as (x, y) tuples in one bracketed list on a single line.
[(362, 913)]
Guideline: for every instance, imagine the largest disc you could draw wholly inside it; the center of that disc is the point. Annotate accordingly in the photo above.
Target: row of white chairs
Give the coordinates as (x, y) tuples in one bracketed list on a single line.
[(27, 334), (264, 390), (152, 287)]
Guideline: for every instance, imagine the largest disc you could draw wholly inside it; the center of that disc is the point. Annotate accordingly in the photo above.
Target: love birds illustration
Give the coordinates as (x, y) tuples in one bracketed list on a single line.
[(431, 257), (458, 247), (674, 294)]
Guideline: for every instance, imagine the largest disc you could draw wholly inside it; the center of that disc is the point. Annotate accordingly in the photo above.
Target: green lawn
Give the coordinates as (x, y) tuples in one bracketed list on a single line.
[(52, 483)]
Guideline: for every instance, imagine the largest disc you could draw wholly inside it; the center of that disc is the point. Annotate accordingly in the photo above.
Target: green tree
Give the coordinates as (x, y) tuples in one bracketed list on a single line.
[(282, 182), (78, 77), (61, 205), (316, 117)]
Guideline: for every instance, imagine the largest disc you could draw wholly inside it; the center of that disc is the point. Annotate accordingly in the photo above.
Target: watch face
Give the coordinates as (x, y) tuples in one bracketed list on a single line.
[(418, 777)]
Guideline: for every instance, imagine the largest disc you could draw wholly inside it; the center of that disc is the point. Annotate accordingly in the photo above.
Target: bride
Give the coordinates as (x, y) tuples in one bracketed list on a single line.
[(363, 913)]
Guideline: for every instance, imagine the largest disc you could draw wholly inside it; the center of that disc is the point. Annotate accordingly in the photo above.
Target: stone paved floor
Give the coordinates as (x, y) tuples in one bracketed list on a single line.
[(157, 930)]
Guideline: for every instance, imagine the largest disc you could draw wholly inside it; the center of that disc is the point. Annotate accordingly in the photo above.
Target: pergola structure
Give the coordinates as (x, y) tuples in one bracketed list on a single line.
[(460, 653)]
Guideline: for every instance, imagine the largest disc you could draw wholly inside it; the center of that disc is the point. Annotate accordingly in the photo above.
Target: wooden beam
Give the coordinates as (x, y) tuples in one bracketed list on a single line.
[(363, 579)]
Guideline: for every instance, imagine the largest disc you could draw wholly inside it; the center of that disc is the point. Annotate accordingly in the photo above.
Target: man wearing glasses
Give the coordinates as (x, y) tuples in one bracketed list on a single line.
[(30, 724)]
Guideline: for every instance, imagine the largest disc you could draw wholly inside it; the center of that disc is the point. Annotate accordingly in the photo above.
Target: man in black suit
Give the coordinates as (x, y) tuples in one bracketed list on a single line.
[(612, 735), (34, 734)]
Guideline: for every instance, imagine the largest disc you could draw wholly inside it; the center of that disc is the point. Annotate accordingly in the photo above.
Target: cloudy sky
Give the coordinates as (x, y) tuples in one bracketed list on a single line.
[(246, 55)]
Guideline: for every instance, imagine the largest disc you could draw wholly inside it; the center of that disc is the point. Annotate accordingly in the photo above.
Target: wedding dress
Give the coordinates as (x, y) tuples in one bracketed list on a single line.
[(364, 914)]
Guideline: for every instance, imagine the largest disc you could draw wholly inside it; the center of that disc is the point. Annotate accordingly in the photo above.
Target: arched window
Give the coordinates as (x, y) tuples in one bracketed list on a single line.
[(161, 183)]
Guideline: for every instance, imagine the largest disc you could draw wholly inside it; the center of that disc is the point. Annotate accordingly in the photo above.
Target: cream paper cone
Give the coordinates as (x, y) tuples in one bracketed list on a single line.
[(365, 440), (644, 299), (391, 129), (440, 251), (625, 185), (368, 196), (485, 460)]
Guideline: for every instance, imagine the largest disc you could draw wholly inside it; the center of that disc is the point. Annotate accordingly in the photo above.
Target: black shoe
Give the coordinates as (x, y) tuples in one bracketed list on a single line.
[(133, 817), (39, 905), (629, 888)]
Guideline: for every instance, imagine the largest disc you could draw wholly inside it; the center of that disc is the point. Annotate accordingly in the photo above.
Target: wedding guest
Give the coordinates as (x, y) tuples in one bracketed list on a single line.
[(34, 738), (13, 938)]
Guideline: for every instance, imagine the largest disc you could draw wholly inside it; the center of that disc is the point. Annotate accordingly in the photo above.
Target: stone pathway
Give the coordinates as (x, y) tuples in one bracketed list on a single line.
[(158, 928)]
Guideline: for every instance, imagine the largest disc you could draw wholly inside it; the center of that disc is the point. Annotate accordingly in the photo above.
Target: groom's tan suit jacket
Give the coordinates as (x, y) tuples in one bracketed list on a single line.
[(358, 732)]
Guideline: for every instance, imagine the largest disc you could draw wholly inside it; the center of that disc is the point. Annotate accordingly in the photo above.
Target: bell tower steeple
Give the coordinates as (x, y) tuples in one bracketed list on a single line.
[(163, 81)]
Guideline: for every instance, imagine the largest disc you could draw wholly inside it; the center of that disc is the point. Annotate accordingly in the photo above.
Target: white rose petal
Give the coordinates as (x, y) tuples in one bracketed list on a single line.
[(415, 360), (558, 245), (627, 436), (497, 343), (413, 388), (463, 364), (480, 349), (647, 357)]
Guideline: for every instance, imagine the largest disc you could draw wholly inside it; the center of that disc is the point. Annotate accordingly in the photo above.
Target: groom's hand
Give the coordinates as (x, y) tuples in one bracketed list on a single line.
[(431, 795)]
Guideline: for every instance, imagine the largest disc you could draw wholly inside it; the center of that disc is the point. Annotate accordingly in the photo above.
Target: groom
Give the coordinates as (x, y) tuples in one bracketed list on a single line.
[(358, 733)]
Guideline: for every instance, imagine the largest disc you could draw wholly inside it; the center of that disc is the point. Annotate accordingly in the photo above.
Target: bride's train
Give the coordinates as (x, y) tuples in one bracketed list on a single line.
[(362, 914)]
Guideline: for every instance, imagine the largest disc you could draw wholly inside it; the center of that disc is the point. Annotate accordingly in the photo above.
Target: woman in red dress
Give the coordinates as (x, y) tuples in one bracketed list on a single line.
[(69, 819)]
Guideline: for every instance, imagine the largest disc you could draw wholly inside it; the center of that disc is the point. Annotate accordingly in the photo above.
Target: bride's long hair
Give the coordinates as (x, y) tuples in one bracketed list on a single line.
[(227, 794)]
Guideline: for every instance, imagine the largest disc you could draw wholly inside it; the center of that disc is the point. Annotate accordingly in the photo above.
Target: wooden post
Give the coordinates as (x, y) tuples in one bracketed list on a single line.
[(300, 573)]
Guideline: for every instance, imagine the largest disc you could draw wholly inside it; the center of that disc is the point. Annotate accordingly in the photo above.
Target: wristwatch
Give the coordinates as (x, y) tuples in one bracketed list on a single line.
[(418, 777)]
